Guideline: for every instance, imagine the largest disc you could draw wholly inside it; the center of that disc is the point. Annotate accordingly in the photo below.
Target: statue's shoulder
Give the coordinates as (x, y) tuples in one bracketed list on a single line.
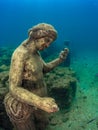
[(20, 53)]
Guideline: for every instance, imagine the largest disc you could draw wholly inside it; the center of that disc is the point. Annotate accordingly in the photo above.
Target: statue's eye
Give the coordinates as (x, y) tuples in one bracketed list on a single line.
[(47, 40)]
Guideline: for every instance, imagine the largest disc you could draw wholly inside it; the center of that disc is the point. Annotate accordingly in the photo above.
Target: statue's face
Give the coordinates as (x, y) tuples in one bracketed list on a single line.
[(43, 43)]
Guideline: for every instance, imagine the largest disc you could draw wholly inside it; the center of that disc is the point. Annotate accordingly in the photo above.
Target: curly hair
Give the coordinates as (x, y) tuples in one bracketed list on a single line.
[(42, 30)]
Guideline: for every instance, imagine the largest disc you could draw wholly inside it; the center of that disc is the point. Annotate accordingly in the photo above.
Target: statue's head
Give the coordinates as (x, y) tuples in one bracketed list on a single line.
[(42, 30)]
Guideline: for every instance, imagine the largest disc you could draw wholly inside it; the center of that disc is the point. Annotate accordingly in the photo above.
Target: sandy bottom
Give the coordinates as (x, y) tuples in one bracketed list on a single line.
[(83, 114)]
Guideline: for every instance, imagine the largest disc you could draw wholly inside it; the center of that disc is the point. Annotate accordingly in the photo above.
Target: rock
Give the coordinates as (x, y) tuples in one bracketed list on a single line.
[(61, 84), (4, 119)]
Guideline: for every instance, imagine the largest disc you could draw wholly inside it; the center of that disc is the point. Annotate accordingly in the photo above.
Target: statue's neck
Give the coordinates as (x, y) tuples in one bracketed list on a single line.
[(30, 46)]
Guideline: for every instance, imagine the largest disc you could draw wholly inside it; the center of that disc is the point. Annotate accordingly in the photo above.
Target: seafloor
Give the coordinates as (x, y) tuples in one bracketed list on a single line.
[(83, 111), (83, 114)]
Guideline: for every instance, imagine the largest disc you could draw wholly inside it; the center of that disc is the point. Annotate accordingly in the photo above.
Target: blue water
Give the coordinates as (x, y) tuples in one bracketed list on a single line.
[(75, 20)]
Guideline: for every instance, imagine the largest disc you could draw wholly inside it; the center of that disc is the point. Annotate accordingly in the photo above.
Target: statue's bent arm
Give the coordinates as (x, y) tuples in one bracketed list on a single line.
[(15, 77)]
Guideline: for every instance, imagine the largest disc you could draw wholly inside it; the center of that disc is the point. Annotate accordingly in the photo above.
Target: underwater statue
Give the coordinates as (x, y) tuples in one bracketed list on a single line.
[(27, 103)]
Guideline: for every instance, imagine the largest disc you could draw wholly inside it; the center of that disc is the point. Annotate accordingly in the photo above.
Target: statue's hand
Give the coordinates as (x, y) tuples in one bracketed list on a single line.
[(64, 54), (49, 105)]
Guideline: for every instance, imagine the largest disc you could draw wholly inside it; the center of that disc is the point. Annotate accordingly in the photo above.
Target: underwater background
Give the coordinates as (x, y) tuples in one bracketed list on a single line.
[(76, 22)]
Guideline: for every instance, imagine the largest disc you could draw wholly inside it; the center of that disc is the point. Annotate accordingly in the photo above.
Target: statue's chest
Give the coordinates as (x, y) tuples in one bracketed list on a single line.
[(33, 67)]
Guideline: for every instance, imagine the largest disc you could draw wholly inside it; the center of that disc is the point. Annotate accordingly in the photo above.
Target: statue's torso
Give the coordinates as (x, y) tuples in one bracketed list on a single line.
[(32, 72), (33, 75)]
